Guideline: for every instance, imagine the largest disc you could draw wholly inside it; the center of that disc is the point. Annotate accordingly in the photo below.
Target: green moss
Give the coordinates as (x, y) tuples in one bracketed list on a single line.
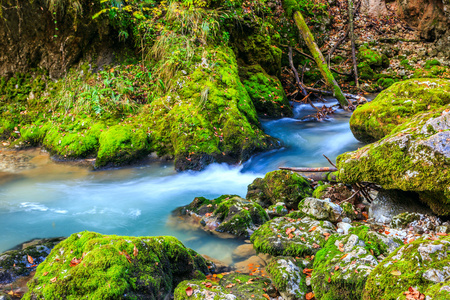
[(287, 276), (348, 210), (385, 82), (396, 105), (320, 191), (406, 267), (365, 71), (265, 91), (431, 62), (370, 57), (154, 266), (272, 238), (279, 186)]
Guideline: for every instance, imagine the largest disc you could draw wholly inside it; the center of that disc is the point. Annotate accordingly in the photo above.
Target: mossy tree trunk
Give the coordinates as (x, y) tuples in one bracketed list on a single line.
[(320, 60)]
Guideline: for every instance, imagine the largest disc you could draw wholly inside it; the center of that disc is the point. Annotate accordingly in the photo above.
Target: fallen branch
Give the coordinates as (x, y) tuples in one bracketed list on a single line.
[(322, 169), (331, 163), (328, 93), (294, 69)]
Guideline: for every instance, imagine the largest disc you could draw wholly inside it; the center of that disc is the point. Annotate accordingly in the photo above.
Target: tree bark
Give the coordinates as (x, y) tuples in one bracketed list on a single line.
[(320, 60), (352, 38)]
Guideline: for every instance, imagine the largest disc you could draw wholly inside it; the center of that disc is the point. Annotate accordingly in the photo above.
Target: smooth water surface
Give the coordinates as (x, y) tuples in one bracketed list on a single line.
[(59, 199)]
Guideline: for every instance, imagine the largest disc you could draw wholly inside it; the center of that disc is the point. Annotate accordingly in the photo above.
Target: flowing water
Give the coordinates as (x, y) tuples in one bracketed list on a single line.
[(59, 199)]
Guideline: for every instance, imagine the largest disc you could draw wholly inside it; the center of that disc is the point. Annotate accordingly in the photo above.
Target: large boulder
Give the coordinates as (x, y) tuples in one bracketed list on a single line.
[(341, 268), (95, 266), (423, 265), (227, 213), (291, 237), (279, 186), (396, 105), (414, 155)]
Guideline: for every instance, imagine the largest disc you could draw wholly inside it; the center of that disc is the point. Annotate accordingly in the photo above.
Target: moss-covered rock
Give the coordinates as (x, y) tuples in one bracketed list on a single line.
[(342, 266), (413, 157), (277, 210), (95, 266), (288, 277), (230, 286), (291, 237), (279, 186), (227, 213), (422, 264), (396, 105), (266, 92), (320, 191)]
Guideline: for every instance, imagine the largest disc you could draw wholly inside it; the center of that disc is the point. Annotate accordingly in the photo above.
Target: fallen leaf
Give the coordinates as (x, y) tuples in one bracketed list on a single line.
[(189, 291), (343, 256), (30, 259), (75, 261), (53, 279), (336, 268), (266, 296), (135, 251), (208, 284), (230, 285), (313, 228), (309, 296), (396, 272), (442, 234), (45, 274)]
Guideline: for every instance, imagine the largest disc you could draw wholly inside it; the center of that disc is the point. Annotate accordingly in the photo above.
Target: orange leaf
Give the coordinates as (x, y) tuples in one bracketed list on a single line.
[(266, 296), (135, 251), (303, 239), (442, 234), (336, 268), (189, 291), (343, 256), (30, 259), (75, 261), (386, 232), (53, 279), (309, 296), (45, 274), (208, 284), (313, 228), (230, 285)]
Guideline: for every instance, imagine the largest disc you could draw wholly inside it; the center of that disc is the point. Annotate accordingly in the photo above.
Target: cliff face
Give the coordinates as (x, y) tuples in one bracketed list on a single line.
[(431, 18), (34, 35)]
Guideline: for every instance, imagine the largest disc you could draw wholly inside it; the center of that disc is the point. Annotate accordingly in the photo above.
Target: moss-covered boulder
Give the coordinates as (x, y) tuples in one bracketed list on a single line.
[(291, 237), (95, 266), (288, 277), (320, 191), (266, 92), (413, 157), (277, 210), (227, 213), (227, 287), (422, 264), (396, 105), (279, 186), (341, 267)]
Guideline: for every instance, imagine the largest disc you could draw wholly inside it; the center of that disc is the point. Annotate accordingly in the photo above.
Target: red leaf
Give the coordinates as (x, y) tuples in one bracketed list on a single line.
[(309, 296), (189, 291)]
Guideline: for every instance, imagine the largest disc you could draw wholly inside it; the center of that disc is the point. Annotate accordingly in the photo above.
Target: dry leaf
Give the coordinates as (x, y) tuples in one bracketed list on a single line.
[(135, 251), (266, 296), (189, 291), (313, 228), (230, 285), (343, 256), (53, 279), (45, 274), (309, 296), (30, 259), (442, 234), (396, 273), (208, 284), (75, 261), (336, 268)]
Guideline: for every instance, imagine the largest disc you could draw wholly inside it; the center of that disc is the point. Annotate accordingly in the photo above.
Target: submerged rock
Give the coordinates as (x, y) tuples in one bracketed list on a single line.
[(423, 264), (95, 266), (291, 237), (279, 186)]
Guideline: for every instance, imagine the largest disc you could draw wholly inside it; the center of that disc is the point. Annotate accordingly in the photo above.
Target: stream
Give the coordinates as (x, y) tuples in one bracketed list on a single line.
[(60, 199)]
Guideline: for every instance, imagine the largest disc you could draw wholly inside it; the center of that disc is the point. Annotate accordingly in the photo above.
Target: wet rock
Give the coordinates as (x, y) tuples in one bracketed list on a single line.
[(225, 214), (320, 209), (390, 203), (13, 162), (95, 266), (253, 265), (291, 237), (242, 252), (344, 226), (279, 186), (277, 210), (16, 263), (231, 286), (342, 266), (420, 264), (288, 277)]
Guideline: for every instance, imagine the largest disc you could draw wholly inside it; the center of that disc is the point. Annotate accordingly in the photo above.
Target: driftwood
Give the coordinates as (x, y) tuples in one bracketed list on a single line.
[(320, 60), (322, 169)]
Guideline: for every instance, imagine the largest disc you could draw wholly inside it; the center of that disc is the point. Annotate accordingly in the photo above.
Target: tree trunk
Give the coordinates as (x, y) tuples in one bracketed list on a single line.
[(352, 38), (320, 60)]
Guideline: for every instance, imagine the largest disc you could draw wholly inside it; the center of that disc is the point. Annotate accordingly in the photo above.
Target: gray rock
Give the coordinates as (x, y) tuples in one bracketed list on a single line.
[(344, 226), (320, 209)]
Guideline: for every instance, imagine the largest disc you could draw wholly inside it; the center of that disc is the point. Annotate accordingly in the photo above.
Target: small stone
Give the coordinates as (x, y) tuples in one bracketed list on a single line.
[(347, 220), (340, 231), (344, 226)]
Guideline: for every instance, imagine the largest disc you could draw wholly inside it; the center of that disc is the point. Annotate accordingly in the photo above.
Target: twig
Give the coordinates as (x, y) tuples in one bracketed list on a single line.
[(291, 63), (354, 194), (331, 163)]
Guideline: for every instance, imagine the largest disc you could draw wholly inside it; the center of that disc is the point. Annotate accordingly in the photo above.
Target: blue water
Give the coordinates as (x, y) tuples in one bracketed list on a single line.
[(57, 200)]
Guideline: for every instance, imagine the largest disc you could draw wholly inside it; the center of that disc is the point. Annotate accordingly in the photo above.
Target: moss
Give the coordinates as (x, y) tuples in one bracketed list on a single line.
[(265, 91), (279, 186), (403, 219), (320, 191), (439, 291), (305, 236), (348, 210), (385, 82), (406, 267), (370, 57), (122, 144), (394, 106), (431, 62), (153, 267), (287, 276), (365, 71)]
